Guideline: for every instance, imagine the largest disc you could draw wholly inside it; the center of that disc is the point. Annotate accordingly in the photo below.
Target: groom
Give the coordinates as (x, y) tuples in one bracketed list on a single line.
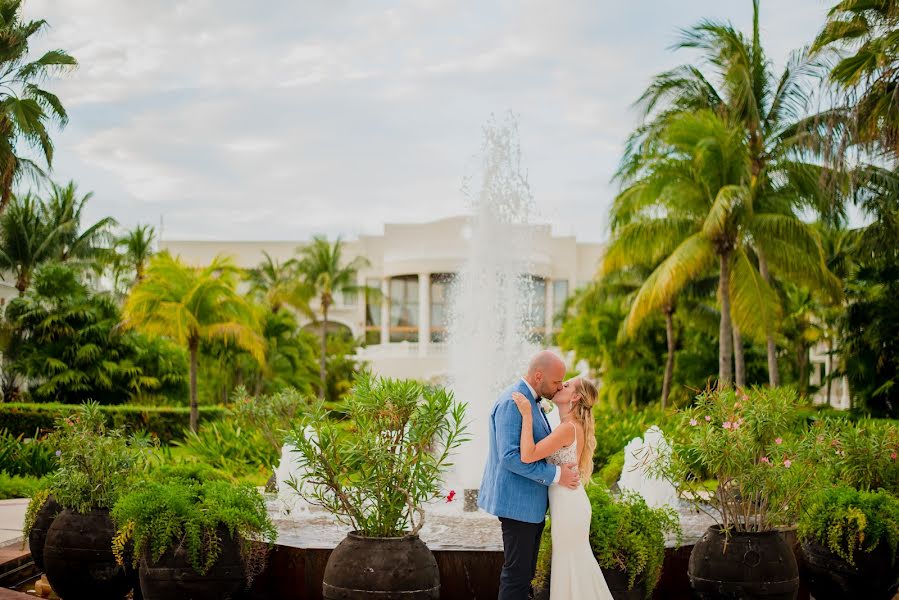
[(516, 492)]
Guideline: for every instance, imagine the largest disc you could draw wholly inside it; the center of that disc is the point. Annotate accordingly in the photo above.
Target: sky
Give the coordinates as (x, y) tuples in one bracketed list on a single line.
[(278, 120)]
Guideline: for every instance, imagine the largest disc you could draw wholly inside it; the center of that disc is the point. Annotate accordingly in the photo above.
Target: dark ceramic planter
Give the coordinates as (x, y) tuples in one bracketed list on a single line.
[(364, 568), (829, 577), (78, 558), (617, 582), (743, 566), (173, 577), (37, 537)]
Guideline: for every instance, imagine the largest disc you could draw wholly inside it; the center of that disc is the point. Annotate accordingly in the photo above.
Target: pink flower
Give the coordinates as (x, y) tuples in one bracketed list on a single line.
[(708, 418), (737, 405), (779, 441), (765, 459), (726, 424), (451, 495), (737, 425), (893, 456), (787, 463), (693, 422)]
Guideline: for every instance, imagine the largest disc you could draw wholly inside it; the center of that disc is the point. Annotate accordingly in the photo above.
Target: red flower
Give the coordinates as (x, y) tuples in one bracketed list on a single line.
[(451, 495)]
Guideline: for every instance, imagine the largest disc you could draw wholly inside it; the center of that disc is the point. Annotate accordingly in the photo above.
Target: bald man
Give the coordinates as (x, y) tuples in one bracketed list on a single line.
[(516, 492)]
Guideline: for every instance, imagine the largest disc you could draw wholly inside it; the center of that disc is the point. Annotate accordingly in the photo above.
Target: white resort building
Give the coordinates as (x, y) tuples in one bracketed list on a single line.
[(412, 265)]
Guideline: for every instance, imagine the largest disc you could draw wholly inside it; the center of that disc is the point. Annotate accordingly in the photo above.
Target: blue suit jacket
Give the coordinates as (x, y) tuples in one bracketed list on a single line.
[(511, 488)]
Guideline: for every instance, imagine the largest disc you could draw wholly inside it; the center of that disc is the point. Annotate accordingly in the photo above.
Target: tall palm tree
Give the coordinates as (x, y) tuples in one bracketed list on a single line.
[(26, 109), (189, 305), (782, 141), (687, 206), (83, 246), (325, 273), (862, 35), (137, 248), (27, 239), (280, 284)]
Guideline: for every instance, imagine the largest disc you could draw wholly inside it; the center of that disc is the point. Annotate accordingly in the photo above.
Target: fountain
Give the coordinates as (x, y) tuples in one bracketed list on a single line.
[(492, 305), (639, 454)]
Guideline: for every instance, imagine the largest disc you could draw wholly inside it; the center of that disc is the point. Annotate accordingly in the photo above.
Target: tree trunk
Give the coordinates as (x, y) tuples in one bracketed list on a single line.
[(323, 373), (739, 362), (773, 373), (829, 373), (194, 407), (6, 185), (725, 335), (22, 281), (669, 365)]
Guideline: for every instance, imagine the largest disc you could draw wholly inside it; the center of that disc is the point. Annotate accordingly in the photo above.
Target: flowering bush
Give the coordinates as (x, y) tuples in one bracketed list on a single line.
[(861, 454), (746, 441)]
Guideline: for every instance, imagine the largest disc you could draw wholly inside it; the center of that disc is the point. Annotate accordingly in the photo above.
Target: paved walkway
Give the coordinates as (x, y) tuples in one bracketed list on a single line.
[(12, 516)]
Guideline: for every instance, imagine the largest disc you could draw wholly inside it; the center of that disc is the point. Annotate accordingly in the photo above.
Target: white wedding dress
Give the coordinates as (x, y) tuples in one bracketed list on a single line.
[(574, 574)]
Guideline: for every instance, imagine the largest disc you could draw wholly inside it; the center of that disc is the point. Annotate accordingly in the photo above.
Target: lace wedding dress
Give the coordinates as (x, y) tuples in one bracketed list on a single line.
[(574, 574)]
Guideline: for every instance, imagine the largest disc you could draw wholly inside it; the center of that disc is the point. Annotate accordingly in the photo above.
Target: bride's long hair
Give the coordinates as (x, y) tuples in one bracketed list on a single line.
[(583, 414)]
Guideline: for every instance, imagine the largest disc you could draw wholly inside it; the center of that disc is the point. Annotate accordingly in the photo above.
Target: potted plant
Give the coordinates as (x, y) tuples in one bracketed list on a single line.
[(628, 540), (39, 515), (192, 537), (849, 543), (744, 441), (94, 468), (375, 477), (849, 533)]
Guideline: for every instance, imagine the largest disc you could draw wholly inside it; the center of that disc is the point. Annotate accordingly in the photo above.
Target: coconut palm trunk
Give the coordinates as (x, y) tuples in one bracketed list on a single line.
[(669, 364), (193, 346), (323, 369), (739, 360), (829, 368), (725, 331), (773, 373)]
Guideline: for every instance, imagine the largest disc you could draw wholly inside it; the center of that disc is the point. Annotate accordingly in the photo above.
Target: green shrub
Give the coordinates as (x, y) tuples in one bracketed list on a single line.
[(182, 512), (165, 422), (848, 521), (611, 472), (18, 486), (25, 456), (230, 447), (626, 534), (861, 454)]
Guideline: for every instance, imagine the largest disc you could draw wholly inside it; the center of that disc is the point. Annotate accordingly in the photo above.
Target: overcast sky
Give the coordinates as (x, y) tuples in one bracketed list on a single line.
[(277, 119)]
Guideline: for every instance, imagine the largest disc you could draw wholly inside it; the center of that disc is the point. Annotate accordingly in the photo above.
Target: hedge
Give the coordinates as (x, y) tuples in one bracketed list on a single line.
[(165, 422)]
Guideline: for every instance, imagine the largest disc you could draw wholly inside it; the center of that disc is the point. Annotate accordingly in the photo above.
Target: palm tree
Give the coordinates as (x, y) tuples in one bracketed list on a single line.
[(137, 248), (90, 246), (781, 140), (26, 109), (687, 206), (27, 239), (190, 305), (279, 284), (862, 35), (325, 273)]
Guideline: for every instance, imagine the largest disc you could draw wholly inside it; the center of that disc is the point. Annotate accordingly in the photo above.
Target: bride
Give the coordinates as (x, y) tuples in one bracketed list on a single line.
[(575, 574)]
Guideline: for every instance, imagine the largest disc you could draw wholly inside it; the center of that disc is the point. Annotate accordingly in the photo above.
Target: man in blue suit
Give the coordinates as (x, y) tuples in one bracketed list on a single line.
[(516, 492)]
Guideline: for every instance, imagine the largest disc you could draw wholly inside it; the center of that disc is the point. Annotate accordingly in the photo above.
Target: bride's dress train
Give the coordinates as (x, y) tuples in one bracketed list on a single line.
[(574, 574)]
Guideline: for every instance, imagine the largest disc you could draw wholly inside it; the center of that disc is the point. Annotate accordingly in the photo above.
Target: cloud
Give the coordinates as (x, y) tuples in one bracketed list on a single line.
[(239, 120)]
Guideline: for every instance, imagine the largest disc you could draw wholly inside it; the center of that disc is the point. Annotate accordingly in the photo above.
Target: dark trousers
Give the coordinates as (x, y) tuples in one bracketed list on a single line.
[(521, 542)]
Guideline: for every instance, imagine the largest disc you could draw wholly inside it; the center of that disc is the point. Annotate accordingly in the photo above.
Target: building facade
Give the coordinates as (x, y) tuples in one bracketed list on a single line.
[(412, 268)]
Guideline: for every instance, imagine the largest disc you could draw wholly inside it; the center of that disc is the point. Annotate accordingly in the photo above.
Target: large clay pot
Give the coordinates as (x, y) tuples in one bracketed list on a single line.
[(37, 537), (617, 582), (173, 577), (829, 577), (364, 568), (78, 558), (743, 566)]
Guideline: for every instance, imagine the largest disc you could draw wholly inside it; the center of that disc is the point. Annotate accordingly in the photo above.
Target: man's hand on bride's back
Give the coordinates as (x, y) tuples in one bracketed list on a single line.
[(571, 478), (523, 404)]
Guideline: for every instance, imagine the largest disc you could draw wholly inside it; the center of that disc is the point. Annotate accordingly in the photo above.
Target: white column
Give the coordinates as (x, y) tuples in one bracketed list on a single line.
[(550, 309), (424, 313), (385, 310)]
